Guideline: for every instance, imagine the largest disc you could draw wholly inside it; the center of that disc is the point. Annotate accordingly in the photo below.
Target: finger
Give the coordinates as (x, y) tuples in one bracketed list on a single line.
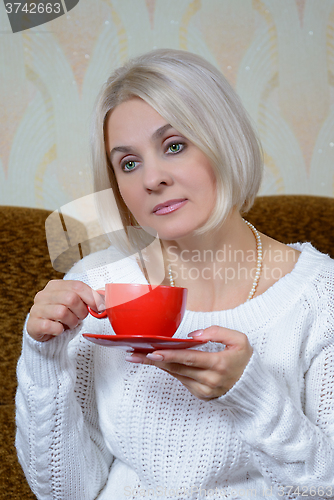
[(230, 338), (206, 383), (61, 314), (185, 357), (62, 299), (175, 369), (43, 329), (169, 358), (48, 314), (209, 372), (199, 390), (89, 296), (66, 292), (202, 384), (198, 373)]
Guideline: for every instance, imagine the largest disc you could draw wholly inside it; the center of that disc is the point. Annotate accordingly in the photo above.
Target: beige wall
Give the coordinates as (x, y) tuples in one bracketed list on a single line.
[(278, 54)]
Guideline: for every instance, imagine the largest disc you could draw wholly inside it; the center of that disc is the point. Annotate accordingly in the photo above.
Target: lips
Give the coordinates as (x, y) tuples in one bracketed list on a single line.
[(169, 206)]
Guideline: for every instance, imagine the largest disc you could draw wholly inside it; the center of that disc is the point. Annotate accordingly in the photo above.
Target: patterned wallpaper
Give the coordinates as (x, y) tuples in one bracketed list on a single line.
[(278, 55)]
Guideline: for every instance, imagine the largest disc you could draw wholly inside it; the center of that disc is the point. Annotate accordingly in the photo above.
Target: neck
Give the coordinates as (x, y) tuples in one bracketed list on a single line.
[(230, 240), (224, 263)]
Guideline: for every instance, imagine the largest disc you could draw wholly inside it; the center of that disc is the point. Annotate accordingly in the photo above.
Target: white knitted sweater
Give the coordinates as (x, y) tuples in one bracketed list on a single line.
[(91, 425)]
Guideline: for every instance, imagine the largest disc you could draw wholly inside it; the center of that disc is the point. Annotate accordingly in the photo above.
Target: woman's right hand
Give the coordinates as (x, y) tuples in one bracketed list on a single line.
[(60, 305)]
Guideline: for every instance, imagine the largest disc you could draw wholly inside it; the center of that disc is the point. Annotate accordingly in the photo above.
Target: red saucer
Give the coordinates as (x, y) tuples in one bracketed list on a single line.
[(141, 343)]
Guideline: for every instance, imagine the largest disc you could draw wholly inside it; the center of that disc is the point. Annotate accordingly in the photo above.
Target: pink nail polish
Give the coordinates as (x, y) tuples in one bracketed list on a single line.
[(196, 333), (133, 359), (155, 357)]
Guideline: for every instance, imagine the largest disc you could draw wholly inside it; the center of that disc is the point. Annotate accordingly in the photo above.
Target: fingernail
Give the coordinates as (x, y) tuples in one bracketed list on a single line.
[(101, 307), (133, 359), (154, 357), (196, 333)]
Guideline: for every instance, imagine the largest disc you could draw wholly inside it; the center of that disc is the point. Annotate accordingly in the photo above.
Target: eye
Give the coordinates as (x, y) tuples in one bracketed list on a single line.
[(175, 147), (129, 166)]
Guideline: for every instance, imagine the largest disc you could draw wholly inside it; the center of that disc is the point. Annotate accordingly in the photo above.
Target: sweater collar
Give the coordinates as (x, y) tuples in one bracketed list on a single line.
[(280, 296)]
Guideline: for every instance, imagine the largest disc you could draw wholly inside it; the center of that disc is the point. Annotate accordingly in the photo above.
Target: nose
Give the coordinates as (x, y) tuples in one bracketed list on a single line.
[(155, 174)]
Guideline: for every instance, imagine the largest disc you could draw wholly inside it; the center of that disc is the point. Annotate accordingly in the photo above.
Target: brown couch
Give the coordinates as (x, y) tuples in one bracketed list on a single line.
[(25, 269)]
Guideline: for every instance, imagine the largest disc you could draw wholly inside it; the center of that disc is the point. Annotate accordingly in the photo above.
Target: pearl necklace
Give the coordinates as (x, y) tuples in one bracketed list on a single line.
[(258, 262)]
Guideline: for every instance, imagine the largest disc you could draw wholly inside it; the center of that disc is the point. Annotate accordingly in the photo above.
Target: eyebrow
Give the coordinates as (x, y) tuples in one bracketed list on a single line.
[(127, 149)]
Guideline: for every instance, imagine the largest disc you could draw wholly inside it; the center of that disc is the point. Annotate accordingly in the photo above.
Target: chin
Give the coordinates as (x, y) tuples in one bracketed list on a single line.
[(177, 233)]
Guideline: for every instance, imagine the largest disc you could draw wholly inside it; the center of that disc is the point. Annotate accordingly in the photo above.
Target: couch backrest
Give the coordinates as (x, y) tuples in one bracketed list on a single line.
[(292, 218)]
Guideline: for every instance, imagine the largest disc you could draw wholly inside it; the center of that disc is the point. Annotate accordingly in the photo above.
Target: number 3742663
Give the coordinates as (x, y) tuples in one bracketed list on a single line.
[(306, 491), (33, 8)]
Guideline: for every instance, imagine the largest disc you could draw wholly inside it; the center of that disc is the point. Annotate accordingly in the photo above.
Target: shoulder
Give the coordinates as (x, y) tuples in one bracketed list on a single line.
[(321, 269), (106, 266), (278, 261), (317, 271), (301, 257), (321, 263), (301, 275), (314, 272)]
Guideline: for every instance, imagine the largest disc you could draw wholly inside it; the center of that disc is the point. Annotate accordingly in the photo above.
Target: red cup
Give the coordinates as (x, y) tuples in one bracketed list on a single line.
[(134, 309)]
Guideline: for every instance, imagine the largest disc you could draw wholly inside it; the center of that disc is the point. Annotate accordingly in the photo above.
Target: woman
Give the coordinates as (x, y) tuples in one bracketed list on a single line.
[(248, 414)]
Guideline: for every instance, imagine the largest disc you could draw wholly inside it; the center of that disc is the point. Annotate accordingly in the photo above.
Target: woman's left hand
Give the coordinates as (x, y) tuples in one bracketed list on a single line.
[(206, 375)]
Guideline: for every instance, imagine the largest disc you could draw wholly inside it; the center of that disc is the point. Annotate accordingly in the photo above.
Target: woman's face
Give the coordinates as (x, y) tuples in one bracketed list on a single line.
[(166, 181)]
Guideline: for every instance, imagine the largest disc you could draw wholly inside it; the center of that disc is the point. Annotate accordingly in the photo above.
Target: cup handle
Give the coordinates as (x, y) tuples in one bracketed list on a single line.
[(98, 315)]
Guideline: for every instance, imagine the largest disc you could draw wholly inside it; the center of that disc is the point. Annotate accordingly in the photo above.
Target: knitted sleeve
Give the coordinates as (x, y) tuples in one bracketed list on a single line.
[(59, 443), (292, 441), (58, 440)]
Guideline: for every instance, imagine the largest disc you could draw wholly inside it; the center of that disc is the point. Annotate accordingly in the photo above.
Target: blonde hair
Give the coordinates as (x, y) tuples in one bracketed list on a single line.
[(196, 99)]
